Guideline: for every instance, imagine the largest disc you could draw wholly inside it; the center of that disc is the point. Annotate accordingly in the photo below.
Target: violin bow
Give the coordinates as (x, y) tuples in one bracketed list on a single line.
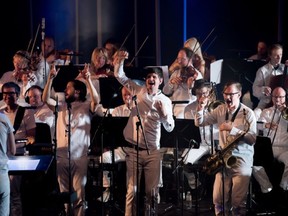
[(34, 40), (200, 45), (127, 37), (138, 50)]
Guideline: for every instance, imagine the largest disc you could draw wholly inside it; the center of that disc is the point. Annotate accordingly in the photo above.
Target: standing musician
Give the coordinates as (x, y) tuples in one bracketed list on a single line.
[(275, 119), (262, 86), (73, 135), (150, 110), (237, 134)]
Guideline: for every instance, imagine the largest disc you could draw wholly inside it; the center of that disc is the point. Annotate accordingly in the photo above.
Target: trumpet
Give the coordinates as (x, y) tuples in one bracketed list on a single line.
[(214, 104)]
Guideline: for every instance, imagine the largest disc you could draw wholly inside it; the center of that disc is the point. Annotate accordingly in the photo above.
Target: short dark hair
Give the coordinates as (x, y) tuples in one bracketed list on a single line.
[(11, 85), (199, 84), (233, 82), (153, 69)]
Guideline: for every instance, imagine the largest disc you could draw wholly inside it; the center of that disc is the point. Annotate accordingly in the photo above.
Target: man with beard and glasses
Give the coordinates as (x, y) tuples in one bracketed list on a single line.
[(73, 135), (150, 110), (237, 132)]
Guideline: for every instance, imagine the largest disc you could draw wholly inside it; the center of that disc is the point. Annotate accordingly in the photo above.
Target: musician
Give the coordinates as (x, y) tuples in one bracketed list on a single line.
[(42, 112), (262, 52), (197, 60), (24, 126), (22, 74), (276, 127), (111, 45), (153, 108), (99, 63), (179, 86), (262, 84), (119, 153), (73, 135), (48, 57), (205, 90), (237, 126)]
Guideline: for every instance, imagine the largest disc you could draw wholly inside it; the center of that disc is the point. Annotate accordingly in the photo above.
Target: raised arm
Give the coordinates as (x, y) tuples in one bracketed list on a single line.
[(46, 96), (85, 74)]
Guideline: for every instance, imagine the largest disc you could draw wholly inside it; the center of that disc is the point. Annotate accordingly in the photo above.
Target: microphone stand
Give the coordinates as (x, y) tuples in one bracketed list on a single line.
[(138, 124), (44, 57), (101, 126), (71, 195)]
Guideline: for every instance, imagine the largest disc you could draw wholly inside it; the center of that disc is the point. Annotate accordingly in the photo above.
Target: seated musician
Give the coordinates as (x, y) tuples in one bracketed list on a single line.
[(22, 75), (201, 89), (275, 126), (264, 76)]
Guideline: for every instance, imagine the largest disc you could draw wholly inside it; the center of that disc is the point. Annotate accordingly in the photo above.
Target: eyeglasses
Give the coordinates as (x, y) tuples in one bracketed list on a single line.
[(230, 94), (280, 97)]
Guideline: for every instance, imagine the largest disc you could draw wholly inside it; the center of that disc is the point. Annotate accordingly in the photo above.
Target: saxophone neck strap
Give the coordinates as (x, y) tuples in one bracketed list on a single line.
[(234, 114)]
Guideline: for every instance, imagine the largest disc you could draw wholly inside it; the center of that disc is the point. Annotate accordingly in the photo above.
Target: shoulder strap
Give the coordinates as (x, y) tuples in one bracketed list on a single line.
[(18, 118)]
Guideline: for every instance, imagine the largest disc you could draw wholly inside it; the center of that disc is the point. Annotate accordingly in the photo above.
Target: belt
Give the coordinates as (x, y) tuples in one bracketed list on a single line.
[(130, 145)]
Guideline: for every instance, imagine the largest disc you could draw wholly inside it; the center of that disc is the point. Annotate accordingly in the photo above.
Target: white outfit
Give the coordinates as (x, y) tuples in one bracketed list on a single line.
[(80, 123), (279, 144), (263, 78), (179, 93), (45, 115)]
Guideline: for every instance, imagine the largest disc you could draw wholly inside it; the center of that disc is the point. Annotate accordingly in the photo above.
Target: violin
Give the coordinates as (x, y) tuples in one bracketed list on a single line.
[(280, 80), (23, 75), (187, 72)]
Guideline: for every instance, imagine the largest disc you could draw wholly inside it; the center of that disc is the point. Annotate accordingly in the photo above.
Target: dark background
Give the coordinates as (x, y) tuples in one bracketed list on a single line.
[(233, 27)]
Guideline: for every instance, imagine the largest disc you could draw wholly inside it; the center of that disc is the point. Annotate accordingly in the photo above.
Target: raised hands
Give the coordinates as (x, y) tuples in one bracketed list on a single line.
[(119, 57), (85, 73), (53, 71)]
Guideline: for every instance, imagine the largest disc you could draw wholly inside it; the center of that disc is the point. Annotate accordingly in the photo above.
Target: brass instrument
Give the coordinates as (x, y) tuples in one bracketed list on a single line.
[(284, 113), (215, 162), (214, 104)]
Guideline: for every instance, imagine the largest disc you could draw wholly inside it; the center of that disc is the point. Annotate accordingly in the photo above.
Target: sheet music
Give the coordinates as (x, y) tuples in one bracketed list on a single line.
[(23, 164)]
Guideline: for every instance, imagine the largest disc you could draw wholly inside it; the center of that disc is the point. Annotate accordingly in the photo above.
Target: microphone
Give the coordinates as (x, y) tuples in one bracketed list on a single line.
[(180, 102), (134, 98), (43, 28), (195, 145), (114, 95)]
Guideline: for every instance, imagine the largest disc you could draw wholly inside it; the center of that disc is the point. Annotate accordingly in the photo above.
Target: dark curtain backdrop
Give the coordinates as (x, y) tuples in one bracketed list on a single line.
[(235, 25)]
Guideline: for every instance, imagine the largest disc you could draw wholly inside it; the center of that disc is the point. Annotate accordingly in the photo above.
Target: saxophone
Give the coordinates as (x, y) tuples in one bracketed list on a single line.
[(217, 161)]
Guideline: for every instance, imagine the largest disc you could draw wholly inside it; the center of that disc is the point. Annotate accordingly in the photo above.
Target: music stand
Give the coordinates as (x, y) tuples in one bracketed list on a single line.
[(241, 70), (65, 74), (184, 131), (110, 92), (19, 165), (107, 132)]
